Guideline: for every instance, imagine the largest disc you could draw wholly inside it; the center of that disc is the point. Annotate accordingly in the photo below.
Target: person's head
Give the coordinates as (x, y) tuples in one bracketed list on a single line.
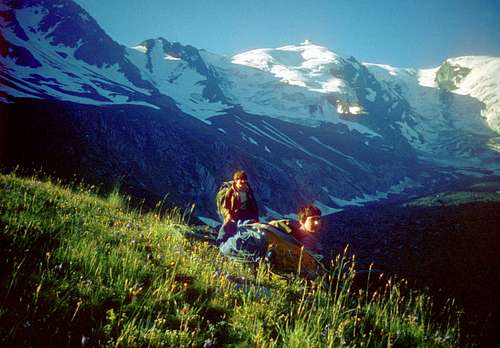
[(309, 218), (240, 180)]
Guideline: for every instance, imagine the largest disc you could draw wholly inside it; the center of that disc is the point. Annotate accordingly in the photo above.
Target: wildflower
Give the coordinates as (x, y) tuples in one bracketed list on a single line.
[(208, 343), (160, 321), (134, 291), (325, 330), (85, 340)]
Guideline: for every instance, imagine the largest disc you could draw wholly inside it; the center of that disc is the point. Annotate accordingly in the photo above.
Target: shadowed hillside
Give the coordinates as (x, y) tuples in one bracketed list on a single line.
[(447, 242)]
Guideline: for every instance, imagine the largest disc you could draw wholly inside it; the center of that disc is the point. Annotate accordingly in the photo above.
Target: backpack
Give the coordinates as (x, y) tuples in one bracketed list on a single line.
[(248, 244), (221, 196), (253, 242), (283, 224)]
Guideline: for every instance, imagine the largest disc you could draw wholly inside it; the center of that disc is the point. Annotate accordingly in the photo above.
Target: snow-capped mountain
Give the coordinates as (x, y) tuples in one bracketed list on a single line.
[(182, 73), (477, 77), (306, 123), (453, 108), (306, 83), (55, 50)]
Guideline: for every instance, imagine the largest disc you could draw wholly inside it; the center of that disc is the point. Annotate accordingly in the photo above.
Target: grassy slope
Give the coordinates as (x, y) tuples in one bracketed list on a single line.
[(82, 270)]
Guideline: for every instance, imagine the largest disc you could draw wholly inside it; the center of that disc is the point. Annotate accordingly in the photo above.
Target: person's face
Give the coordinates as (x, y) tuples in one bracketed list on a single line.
[(241, 184), (312, 224)]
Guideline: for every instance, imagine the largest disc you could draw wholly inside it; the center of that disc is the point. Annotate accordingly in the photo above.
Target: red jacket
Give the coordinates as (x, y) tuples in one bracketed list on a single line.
[(232, 205)]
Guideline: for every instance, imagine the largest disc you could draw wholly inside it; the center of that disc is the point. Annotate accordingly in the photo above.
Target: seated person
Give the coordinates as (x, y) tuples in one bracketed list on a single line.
[(239, 205), (283, 243), (306, 230)]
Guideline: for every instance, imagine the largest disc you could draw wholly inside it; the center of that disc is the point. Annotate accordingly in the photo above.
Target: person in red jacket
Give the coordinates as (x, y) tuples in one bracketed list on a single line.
[(239, 205)]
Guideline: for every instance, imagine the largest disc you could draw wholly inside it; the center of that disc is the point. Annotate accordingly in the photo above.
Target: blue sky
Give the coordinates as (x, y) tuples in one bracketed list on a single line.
[(402, 33)]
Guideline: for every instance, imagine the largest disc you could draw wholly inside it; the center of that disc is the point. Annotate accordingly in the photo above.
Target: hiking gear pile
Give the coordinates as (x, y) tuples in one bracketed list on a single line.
[(260, 242)]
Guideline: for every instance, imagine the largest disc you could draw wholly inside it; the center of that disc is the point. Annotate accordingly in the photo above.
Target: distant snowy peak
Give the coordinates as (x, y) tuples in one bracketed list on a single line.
[(62, 24), (164, 49), (306, 56), (478, 77), (341, 83), (56, 50), (181, 72), (306, 65), (474, 76)]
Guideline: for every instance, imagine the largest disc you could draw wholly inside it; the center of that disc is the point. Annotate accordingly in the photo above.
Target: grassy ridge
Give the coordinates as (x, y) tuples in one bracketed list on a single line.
[(83, 270)]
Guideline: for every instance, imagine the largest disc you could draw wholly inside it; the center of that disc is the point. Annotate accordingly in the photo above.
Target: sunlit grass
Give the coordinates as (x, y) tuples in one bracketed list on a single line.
[(81, 269)]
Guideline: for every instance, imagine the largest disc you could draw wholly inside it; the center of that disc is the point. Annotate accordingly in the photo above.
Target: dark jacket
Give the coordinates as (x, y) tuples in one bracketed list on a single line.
[(292, 227), (232, 205)]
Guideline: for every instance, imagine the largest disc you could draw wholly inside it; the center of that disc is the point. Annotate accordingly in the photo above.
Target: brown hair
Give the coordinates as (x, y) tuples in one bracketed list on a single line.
[(240, 174), (308, 210)]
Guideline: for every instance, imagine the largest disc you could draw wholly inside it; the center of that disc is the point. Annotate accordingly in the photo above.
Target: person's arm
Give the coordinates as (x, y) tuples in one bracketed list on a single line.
[(228, 216)]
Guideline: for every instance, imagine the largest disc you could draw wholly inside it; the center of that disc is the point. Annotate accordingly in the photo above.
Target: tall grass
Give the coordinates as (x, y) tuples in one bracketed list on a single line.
[(115, 199), (84, 270)]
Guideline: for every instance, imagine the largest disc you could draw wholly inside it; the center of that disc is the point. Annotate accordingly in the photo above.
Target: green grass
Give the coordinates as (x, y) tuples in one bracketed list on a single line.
[(82, 268)]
